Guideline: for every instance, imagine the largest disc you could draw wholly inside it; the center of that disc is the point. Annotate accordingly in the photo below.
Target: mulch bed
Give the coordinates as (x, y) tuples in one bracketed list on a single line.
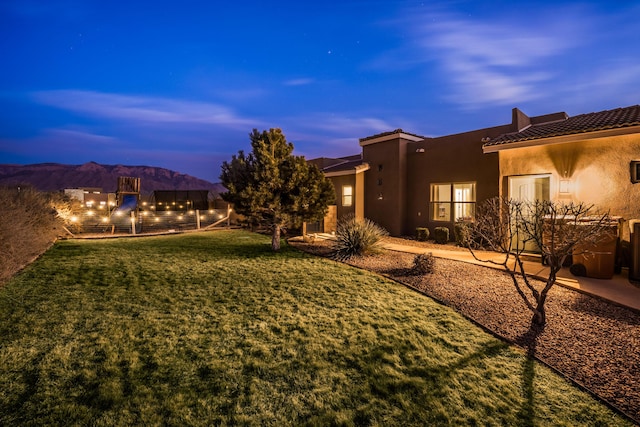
[(589, 340)]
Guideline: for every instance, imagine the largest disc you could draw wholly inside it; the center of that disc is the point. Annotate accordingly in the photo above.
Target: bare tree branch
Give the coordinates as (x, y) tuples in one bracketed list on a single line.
[(557, 231)]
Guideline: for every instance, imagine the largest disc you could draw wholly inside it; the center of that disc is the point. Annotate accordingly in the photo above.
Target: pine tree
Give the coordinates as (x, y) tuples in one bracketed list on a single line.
[(274, 188)]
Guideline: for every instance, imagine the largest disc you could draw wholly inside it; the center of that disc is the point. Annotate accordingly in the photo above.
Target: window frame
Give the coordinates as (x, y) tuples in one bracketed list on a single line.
[(345, 196), (447, 203)]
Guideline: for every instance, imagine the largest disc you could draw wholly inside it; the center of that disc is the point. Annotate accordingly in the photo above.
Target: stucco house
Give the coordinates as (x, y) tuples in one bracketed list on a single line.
[(347, 176), (592, 158), (403, 180)]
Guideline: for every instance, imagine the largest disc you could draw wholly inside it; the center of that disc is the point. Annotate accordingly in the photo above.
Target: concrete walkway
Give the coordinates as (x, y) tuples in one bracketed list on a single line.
[(617, 290)]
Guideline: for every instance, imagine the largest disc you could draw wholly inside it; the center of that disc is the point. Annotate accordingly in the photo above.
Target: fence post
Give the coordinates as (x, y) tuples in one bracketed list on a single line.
[(133, 222)]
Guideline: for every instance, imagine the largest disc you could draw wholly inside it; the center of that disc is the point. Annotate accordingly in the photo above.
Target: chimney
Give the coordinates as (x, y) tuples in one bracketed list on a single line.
[(520, 120)]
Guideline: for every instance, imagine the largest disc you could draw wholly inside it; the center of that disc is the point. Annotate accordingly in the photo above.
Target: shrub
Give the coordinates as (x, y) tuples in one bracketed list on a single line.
[(441, 235), (458, 232), (356, 237), (423, 263), (30, 221), (422, 234)]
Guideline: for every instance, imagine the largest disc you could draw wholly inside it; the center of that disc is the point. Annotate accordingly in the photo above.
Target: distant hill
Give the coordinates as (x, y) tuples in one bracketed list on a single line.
[(55, 177)]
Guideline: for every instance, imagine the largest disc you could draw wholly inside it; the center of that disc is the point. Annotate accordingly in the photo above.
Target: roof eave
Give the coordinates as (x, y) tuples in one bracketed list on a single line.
[(391, 137), (353, 171), (562, 139)]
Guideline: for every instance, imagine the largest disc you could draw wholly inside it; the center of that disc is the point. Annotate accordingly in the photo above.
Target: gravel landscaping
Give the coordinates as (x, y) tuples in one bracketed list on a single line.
[(591, 341)]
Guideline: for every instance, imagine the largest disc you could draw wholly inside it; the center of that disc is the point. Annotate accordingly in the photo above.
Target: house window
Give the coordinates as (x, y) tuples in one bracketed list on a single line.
[(453, 201), (635, 171), (347, 195)]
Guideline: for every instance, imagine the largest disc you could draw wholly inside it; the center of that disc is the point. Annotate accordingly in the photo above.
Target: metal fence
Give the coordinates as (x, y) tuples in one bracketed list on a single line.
[(105, 221)]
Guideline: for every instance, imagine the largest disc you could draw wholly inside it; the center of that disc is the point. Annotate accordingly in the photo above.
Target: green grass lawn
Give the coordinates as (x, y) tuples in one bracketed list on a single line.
[(215, 329)]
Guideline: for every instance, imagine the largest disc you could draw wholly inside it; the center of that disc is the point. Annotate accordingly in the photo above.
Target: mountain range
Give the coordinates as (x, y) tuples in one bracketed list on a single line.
[(57, 177)]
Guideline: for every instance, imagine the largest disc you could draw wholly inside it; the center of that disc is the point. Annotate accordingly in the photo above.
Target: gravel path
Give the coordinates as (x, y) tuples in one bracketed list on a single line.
[(591, 341)]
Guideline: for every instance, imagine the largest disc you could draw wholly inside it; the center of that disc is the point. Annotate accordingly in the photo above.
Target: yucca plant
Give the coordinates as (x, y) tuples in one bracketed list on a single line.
[(357, 236)]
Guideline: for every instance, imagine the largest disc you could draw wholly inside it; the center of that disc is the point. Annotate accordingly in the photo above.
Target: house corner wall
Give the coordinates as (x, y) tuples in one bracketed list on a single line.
[(359, 195), (385, 183)]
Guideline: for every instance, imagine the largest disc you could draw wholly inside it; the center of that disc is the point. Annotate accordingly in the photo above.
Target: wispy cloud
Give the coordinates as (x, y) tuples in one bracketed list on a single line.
[(56, 143), (299, 82), (330, 134), (489, 60), (609, 84), (141, 108), (80, 136), (344, 124), (493, 64)]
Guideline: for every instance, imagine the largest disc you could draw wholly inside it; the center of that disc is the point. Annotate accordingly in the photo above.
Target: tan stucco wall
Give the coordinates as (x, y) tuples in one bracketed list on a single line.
[(388, 211), (359, 195), (458, 158), (598, 170), (338, 183)]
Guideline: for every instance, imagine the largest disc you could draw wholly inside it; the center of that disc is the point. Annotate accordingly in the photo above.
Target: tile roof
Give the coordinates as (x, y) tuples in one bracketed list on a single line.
[(603, 120)]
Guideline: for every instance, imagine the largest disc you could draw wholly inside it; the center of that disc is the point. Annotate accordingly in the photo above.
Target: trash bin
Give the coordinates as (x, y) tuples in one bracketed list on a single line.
[(599, 259), (634, 265)]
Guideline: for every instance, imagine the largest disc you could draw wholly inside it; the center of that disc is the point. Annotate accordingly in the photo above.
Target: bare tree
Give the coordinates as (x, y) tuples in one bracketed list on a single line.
[(512, 227)]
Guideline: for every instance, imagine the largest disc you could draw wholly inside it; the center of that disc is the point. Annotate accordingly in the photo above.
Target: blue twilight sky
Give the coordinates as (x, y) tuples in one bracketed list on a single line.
[(181, 84)]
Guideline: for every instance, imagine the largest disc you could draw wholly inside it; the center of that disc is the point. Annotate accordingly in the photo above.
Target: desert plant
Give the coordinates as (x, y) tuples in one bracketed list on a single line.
[(29, 222), (459, 229), (510, 227), (423, 264), (441, 235), (422, 234), (355, 236)]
